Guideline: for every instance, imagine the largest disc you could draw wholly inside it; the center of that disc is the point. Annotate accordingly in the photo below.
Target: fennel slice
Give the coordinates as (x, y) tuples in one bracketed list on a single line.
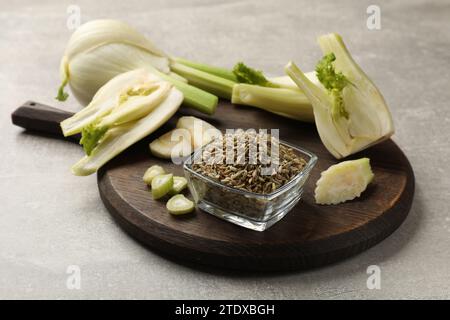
[(343, 181), (201, 131), (179, 184), (179, 204), (151, 173), (161, 185), (173, 144)]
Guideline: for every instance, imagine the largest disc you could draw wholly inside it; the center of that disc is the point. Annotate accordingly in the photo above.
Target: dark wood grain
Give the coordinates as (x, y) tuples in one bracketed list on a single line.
[(309, 236)]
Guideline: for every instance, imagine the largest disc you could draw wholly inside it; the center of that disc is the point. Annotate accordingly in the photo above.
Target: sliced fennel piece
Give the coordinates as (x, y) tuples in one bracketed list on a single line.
[(343, 181), (201, 131), (179, 184), (286, 102), (179, 204), (191, 133), (161, 185), (367, 120), (151, 173), (174, 144), (121, 137)]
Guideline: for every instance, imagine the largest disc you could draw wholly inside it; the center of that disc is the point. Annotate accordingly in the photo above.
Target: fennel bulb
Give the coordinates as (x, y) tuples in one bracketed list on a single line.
[(126, 109), (99, 50), (349, 111)]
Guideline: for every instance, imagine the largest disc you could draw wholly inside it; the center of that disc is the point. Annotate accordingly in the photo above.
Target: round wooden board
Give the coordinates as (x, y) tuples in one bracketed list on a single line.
[(308, 236)]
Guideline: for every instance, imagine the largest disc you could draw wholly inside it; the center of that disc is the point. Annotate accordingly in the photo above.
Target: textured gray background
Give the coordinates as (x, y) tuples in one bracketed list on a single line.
[(50, 219)]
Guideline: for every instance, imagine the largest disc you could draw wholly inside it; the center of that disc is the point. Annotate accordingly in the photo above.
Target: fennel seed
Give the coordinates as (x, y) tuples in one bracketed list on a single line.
[(244, 173)]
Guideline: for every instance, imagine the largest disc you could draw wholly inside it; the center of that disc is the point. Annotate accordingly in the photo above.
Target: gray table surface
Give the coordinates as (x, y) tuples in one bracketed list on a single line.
[(50, 219)]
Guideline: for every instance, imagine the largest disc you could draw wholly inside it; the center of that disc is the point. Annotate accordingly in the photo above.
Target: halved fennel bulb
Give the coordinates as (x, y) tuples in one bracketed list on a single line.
[(349, 111), (125, 110)]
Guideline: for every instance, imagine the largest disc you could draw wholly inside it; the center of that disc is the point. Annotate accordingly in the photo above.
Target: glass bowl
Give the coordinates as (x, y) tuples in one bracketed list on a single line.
[(251, 210)]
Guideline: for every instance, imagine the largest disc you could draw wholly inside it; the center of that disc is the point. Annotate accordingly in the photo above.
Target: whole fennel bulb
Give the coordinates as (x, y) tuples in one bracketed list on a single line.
[(101, 49)]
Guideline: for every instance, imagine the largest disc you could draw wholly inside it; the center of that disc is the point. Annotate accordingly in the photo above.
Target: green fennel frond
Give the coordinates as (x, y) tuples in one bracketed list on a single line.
[(334, 82), (91, 135), (245, 74)]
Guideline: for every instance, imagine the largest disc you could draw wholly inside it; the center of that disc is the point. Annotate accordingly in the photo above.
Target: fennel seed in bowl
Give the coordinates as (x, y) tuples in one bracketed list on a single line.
[(250, 161)]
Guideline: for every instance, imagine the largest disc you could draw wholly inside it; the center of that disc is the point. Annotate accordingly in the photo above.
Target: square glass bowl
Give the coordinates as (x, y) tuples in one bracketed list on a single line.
[(251, 210)]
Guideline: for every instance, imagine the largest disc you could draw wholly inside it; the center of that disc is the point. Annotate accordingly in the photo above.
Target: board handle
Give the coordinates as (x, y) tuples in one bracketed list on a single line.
[(41, 118)]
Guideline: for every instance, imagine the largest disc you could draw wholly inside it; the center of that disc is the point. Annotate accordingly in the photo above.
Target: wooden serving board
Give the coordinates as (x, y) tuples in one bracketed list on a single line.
[(308, 236)]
